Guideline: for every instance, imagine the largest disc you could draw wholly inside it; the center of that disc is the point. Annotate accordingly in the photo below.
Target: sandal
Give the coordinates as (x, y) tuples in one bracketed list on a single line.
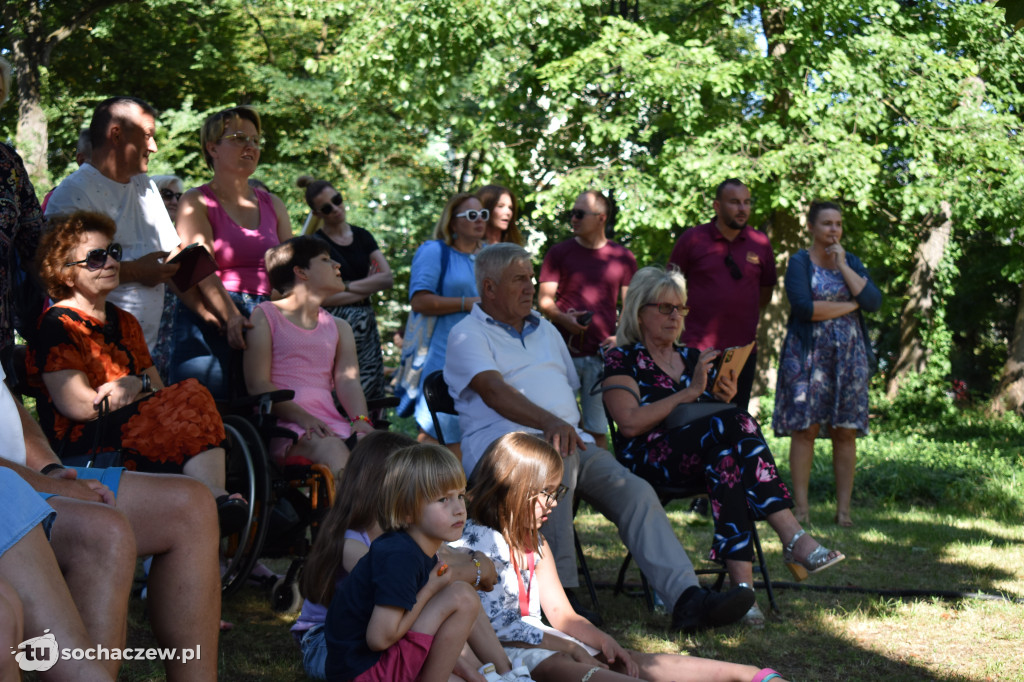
[(819, 559), (233, 512), (754, 617)]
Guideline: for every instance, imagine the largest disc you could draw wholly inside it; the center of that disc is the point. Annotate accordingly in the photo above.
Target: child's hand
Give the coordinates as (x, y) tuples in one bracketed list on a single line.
[(580, 655), (440, 578), (314, 428), (617, 657)]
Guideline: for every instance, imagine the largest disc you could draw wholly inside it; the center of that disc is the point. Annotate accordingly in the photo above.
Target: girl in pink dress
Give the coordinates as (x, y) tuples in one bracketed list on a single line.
[(297, 345)]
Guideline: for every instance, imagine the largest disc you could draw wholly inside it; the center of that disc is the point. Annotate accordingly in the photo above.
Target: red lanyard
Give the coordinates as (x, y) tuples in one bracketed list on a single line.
[(524, 591)]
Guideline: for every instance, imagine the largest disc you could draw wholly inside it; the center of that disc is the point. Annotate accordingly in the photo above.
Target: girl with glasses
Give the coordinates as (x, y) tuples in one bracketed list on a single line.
[(651, 388), (512, 490), (364, 270), (236, 223)]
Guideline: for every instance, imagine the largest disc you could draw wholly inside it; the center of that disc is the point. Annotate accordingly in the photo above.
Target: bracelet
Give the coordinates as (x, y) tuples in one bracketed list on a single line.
[(462, 308), (53, 466), (589, 674), (765, 674), (147, 383), (361, 418), (476, 562)]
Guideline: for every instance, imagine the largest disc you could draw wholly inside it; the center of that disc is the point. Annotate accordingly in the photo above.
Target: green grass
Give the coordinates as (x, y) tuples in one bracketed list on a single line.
[(938, 506)]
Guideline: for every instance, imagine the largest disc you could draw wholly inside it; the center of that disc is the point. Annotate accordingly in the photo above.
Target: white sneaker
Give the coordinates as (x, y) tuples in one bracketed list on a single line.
[(490, 673), (519, 673)]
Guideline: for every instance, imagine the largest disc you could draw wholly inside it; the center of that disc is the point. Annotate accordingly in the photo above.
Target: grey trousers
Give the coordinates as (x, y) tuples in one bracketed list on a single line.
[(629, 502)]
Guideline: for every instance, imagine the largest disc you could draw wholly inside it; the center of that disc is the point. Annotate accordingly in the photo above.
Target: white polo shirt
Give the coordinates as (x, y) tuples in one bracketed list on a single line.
[(143, 226), (535, 362)]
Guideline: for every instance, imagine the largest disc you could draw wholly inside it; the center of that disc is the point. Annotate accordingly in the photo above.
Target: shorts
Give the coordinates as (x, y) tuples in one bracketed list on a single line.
[(314, 652), (21, 510), (109, 476), (590, 369), (531, 658), (402, 661)]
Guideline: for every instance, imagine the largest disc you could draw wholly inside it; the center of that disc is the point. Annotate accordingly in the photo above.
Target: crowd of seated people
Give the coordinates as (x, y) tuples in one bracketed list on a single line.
[(151, 440)]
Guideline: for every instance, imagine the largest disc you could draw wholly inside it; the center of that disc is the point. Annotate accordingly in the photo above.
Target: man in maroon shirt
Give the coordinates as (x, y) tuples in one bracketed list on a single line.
[(730, 273), (581, 281)]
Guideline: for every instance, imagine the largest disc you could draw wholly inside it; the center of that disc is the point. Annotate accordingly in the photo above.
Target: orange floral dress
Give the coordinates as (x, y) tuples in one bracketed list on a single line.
[(157, 433)]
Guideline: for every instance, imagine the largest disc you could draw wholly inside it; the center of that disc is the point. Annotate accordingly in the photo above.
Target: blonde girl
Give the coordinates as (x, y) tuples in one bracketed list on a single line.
[(513, 490)]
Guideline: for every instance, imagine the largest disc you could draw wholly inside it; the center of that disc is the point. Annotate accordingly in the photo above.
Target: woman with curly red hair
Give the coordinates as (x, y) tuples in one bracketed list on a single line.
[(89, 352)]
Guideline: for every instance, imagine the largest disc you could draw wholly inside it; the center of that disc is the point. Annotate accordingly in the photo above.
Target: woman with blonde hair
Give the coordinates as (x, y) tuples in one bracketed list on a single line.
[(236, 224), (442, 286)]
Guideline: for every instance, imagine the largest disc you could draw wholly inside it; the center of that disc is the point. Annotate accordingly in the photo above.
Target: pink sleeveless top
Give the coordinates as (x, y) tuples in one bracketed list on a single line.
[(239, 250), (302, 360)]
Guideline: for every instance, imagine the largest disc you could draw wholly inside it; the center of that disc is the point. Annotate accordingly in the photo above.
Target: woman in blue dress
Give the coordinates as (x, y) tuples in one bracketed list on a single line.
[(826, 360), (442, 285)]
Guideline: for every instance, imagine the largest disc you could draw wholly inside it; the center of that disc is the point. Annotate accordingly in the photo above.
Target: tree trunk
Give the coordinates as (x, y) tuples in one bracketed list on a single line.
[(1009, 395), (788, 237), (31, 135), (919, 309)]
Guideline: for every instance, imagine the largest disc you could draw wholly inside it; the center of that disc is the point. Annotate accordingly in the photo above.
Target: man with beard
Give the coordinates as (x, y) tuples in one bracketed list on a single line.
[(730, 273)]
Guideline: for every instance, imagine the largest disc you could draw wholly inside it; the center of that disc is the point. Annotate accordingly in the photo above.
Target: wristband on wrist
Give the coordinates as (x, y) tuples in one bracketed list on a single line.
[(361, 418), (462, 308), (147, 383), (53, 466), (476, 562)]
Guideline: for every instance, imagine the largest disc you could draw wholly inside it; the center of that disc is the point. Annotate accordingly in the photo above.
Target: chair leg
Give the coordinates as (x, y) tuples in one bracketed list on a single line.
[(764, 570), (621, 581), (585, 570)]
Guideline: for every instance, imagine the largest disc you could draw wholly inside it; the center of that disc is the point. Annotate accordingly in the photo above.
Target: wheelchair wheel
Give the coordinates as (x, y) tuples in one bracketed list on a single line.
[(248, 473)]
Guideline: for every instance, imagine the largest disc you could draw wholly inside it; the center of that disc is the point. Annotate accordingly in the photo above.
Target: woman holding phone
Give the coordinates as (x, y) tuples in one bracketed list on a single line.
[(826, 360), (649, 381)]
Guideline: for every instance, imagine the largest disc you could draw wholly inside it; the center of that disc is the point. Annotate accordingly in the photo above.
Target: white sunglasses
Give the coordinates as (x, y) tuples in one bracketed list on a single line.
[(472, 216)]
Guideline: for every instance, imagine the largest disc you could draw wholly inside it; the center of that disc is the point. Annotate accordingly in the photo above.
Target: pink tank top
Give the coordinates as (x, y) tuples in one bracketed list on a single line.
[(239, 250), (302, 360)]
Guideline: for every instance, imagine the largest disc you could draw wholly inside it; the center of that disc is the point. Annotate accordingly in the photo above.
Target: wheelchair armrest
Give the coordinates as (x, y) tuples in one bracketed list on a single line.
[(261, 400), (382, 403)]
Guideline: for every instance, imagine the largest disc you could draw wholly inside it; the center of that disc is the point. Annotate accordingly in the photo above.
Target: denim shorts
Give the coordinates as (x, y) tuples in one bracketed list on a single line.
[(590, 369), (108, 476), (314, 652), (21, 510)]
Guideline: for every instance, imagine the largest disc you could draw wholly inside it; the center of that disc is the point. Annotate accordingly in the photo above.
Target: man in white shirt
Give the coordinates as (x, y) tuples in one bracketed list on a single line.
[(509, 370), (114, 182)]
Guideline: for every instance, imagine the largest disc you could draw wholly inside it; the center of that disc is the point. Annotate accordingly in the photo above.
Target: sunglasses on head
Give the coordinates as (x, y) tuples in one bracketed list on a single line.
[(170, 194), (97, 258), (242, 140), (734, 269), (328, 207), (668, 308), (473, 215)]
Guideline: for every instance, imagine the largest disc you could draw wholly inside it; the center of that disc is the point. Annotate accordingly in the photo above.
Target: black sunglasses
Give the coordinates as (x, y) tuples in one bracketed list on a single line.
[(579, 213), (169, 194), (97, 258), (327, 208), (734, 269)]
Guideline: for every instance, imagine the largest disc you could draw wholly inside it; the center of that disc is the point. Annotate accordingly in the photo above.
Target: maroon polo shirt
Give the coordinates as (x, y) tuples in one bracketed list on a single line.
[(724, 312)]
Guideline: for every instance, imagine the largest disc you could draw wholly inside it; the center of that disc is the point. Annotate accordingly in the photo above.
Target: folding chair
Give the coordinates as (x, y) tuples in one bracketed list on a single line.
[(439, 401), (667, 493)]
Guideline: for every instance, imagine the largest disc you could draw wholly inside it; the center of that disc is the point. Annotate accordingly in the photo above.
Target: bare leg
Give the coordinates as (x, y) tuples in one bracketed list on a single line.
[(208, 468), (12, 629), (95, 549), (801, 454), (329, 451), (485, 643), (174, 519), (740, 572), (31, 569), (844, 462), (467, 668), (666, 667), (449, 617)]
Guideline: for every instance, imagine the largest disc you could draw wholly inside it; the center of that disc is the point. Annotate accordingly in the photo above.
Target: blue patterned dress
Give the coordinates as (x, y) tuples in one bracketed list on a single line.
[(829, 384), (725, 453)]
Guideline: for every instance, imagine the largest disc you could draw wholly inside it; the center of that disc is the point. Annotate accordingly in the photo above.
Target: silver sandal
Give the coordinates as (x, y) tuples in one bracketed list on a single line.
[(819, 559)]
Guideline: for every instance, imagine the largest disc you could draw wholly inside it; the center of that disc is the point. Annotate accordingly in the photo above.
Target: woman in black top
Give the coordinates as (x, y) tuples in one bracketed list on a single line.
[(364, 269)]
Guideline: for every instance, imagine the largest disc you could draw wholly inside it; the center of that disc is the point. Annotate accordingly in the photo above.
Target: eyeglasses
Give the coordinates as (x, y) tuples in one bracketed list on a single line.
[(472, 216), (579, 213), (97, 258), (242, 140), (168, 195), (551, 498), (668, 308), (335, 200), (734, 269)]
